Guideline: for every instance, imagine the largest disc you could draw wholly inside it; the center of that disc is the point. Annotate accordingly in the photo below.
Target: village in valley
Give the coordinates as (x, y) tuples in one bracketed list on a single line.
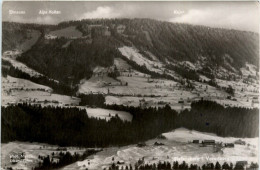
[(138, 79)]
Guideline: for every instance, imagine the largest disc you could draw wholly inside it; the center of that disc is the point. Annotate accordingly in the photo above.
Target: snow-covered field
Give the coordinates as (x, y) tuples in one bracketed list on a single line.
[(132, 54), (68, 32), (15, 90), (32, 151), (9, 83), (177, 146), (22, 67), (158, 92), (104, 113)]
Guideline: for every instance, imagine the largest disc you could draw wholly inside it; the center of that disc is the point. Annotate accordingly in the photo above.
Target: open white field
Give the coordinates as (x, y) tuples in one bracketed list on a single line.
[(15, 90), (39, 97), (31, 151), (158, 92), (176, 147), (132, 54), (148, 102), (132, 87), (12, 83), (68, 32), (22, 67), (104, 113)]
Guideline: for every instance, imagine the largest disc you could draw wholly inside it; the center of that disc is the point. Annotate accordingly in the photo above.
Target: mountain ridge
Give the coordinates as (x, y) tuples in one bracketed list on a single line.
[(169, 42)]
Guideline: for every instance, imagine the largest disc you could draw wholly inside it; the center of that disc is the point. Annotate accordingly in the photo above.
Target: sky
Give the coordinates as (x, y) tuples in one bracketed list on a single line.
[(230, 15)]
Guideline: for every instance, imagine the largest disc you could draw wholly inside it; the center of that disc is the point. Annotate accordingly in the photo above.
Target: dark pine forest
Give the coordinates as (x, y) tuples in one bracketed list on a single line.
[(73, 127)]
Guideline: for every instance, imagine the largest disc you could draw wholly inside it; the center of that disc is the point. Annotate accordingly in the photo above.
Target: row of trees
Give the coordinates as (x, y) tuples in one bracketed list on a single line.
[(184, 166), (184, 72), (72, 126), (208, 116), (92, 100)]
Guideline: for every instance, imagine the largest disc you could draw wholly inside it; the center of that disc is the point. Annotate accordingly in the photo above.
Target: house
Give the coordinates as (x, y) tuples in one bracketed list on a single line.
[(208, 142), (158, 144), (16, 157), (255, 100), (120, 162), (142, 144), (240, 142), (229, 145), (195, 141), (181, 101), (61, 149)]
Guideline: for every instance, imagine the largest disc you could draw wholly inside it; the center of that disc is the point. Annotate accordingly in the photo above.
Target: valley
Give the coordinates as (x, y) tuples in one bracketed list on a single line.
[(106, 79)]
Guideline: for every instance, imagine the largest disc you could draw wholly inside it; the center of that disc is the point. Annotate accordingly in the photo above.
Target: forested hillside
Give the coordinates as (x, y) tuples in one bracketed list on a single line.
[(169, 42), (184, 41), (76, 61), (20, 36)]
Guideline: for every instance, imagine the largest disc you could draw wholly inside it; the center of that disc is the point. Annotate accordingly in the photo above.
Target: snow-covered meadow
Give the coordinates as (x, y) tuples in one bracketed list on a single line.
[(177, 146)]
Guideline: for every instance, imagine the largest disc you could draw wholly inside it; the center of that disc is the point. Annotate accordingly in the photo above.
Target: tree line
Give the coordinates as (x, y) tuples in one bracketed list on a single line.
[(209, 116), (139, 165), (73, 127)]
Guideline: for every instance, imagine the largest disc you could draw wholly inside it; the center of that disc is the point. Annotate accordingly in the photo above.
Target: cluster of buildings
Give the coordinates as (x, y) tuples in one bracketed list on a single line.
[(16, 157), (205, 143)]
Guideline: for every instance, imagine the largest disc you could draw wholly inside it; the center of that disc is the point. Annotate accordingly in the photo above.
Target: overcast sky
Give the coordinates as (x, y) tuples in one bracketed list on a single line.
[(232, 15)]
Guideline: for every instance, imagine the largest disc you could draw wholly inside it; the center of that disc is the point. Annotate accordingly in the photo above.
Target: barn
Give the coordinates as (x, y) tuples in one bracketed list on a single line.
[(208, 142)]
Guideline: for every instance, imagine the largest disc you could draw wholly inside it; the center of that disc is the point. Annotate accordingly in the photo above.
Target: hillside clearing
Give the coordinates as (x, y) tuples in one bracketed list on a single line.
[(68, 32)]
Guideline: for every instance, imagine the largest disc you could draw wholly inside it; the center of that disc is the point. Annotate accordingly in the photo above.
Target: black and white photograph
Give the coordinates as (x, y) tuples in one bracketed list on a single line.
[(130, 85)]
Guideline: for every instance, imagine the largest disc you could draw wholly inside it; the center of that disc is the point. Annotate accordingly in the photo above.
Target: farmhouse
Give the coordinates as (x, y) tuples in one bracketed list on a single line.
[(180, 101), (158, 144), (195, 141), (229, 145), (142, 144), (240, 142), (255, 100), (120, 162), (208, 142), (15, 157)]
